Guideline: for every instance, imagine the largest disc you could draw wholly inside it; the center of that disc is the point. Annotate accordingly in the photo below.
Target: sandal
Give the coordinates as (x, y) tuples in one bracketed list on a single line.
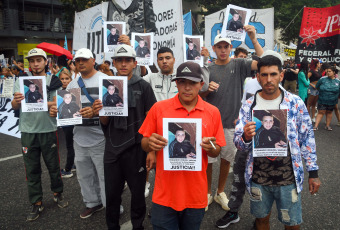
[(315, 128), (328, 128)]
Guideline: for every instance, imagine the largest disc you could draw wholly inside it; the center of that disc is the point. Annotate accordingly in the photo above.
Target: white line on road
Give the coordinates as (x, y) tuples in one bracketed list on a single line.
[(8, 158)]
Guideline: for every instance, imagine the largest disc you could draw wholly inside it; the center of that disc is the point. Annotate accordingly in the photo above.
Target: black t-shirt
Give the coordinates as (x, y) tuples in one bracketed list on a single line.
[(122, 132), (316, 75), (192, 54), (112, 39), (289, 75), (111, 100), (181, 149), (67, 110)]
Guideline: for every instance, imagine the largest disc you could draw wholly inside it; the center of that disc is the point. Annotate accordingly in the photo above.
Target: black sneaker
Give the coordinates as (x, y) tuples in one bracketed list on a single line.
[(228, 218), (89, 211), (35, 213), (59, 199)]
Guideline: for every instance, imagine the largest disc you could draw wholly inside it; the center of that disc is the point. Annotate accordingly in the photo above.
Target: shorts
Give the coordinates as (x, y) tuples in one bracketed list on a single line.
[(313, 91), (288, 202), (326, 107), (228, 152)]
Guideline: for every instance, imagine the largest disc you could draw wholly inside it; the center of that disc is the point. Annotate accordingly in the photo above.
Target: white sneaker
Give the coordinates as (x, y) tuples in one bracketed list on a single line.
[(121, 209), (147, 191), (222, 200), (313, 120), (210, 200), (125, 186)]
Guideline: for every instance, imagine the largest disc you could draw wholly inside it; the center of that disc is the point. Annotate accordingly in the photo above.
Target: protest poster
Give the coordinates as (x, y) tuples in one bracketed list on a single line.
[(165, 19), (290, 52), (261, 19), (271, 133), (192, 49), (183, 152), (6, 87), (69, 106), (114, 96), (319, 36), (142, 44), (236, 18), (34, 89), (113, 31)]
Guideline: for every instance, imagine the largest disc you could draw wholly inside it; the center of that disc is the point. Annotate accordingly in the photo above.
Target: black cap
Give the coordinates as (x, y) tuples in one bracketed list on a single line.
[(189, 70)]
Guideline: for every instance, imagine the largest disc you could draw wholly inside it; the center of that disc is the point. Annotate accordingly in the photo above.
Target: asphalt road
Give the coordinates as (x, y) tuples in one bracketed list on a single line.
[(319, 212)]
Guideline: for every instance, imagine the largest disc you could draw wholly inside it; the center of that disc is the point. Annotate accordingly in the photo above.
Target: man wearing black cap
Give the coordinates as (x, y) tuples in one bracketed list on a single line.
[(178, 199), (124, 159)]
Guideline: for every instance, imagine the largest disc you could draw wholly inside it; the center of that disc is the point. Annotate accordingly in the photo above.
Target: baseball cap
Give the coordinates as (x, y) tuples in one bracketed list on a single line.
[(36, 52), (272, 53), (219, 39), (189, 70), (83, 53), (124, 51)]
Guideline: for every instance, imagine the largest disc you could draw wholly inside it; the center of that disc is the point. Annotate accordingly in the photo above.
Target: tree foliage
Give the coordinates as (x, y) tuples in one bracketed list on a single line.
[(284, 12)]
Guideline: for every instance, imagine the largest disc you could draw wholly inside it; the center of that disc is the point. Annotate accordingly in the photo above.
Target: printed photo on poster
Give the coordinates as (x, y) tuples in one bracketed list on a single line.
[(113, 31), (69, 106), (6, 87), (183, 152), (235, 19), (113, 94), (142, 43), (271, 133), (34, 89), (192, 49)]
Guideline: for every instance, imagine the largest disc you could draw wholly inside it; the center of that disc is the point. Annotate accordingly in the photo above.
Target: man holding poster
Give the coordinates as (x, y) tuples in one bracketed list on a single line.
[(225, 92), (275, 177), (180, 196), (38, 137)]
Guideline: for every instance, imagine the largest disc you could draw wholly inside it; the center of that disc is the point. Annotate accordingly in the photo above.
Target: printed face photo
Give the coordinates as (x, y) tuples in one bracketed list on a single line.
[(271, 128), (142, 46), (182, 140), (193, 49), (113, 93), (33, 91), (237, 20), (69, 104)]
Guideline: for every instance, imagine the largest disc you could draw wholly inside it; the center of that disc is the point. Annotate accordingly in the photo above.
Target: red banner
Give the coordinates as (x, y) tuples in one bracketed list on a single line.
[(319, 35)]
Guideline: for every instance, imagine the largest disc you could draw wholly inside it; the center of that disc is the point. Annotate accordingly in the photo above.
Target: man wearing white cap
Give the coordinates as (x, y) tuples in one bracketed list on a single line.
[(124, 159), (39, 137), (225, 92), (89, 141)]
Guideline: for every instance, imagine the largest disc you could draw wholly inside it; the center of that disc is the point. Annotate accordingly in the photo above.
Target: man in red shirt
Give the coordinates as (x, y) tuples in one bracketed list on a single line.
[(180, 197)]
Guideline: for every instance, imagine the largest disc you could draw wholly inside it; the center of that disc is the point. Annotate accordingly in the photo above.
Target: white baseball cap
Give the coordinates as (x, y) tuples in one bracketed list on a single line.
[(272, 53), (83, 53), (36, 52), (219, 38), (124, 51)]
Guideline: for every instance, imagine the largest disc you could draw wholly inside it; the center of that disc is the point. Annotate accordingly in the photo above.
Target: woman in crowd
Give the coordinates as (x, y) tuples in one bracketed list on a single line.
[(303, 80), (329, 88), (314, 75)]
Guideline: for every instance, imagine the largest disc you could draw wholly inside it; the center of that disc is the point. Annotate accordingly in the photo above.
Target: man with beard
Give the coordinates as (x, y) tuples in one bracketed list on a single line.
[(39, 137)]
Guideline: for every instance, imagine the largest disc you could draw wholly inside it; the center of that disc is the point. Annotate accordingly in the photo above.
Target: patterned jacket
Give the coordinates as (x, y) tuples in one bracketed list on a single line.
[(299, 132)]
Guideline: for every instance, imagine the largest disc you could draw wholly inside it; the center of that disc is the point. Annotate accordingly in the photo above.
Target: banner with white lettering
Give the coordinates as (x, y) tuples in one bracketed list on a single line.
[(9, 124), (261, 19), (164, 18), (320, 35)]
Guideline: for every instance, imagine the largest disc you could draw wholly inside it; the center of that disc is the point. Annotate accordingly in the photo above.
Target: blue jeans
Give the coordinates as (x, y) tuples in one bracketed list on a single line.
[(288, 202), (166, 218)]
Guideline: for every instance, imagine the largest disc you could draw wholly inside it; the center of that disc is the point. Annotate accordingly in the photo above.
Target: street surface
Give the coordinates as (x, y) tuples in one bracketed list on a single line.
[(319, 212)]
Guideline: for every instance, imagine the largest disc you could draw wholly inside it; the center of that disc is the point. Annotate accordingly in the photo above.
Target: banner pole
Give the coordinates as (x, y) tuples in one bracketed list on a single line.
[(294, 18)]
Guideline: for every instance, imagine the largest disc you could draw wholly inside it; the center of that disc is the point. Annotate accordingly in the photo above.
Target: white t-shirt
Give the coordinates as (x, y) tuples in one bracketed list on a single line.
[(250, 88)]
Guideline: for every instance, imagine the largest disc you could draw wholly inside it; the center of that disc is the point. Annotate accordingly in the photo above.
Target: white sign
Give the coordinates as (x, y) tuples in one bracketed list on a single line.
[(113, 31), (6, 87), (183, 152), (192, 46), (34, 90), (9, 124), (261, 19), (236, 18), (142, 44), (113, 93)]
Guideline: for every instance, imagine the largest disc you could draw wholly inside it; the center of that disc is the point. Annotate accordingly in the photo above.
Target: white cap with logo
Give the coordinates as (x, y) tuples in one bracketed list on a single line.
[(36, 52), (124, 51), (272, 53), (219, 39), (83, 53)]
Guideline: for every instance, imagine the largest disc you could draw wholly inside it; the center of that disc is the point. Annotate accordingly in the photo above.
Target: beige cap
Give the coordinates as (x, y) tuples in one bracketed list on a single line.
[(219, 39), (36, 52)]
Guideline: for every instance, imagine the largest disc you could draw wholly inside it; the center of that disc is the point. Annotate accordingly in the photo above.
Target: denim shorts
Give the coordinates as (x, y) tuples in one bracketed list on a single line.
[(288, 202), (313, 91)]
